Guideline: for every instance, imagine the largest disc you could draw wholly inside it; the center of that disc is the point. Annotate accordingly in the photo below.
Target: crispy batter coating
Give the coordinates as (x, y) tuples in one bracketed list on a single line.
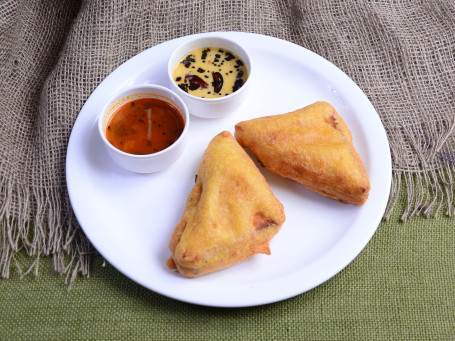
[(231, 213), (312, 146)]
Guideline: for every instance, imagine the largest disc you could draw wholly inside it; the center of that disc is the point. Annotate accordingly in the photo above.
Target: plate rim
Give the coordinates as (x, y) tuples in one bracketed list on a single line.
[(330, 68)]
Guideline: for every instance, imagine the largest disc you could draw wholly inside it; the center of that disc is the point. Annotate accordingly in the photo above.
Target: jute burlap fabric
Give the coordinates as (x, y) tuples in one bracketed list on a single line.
[(54, 53)]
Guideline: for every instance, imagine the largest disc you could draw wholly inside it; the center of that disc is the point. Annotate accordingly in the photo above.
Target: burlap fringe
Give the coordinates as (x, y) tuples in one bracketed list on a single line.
[(47, 227), (430, 186), (44, 228)]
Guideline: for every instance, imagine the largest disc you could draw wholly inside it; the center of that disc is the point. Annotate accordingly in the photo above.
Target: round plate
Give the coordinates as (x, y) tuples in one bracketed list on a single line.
[(129, 218)]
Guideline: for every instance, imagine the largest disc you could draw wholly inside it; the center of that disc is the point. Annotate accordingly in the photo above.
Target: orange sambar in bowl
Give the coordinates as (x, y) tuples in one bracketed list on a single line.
[(144, 126)]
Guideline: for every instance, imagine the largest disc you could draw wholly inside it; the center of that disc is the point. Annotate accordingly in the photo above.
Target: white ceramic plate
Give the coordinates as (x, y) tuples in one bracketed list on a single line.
[(129, 218)]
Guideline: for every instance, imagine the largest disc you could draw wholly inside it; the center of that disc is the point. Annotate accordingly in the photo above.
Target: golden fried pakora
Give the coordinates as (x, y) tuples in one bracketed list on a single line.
[(230, 214), (312, 146)]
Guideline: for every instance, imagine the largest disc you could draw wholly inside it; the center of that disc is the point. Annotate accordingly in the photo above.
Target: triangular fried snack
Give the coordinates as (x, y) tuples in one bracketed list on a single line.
[(312, 146), (231, 213)]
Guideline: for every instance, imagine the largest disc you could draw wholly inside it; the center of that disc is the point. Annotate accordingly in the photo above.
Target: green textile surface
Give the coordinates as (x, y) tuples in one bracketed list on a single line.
[(400, 287)]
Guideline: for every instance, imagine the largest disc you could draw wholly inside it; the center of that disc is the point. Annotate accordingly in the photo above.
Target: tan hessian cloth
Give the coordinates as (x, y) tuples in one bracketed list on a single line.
[(54, 53)]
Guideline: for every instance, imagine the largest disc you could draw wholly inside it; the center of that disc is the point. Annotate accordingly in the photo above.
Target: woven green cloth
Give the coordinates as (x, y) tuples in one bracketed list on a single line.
[(400, 287)]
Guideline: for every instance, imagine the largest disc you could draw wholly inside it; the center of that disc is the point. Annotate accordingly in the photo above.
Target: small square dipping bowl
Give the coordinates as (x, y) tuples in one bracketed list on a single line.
[(148, 163), (210, 107)]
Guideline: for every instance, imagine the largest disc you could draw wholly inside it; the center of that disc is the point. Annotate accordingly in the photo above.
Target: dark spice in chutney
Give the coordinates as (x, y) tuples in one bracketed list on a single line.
[(215, 65)]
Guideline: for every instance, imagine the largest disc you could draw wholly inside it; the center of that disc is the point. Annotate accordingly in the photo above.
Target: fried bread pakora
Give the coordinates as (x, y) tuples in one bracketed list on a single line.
[(312, 146), (230, 214)]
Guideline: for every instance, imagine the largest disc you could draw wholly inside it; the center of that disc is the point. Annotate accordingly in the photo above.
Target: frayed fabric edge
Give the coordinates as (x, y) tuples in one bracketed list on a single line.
[(428, 194), (41, 224), (430, 186)]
